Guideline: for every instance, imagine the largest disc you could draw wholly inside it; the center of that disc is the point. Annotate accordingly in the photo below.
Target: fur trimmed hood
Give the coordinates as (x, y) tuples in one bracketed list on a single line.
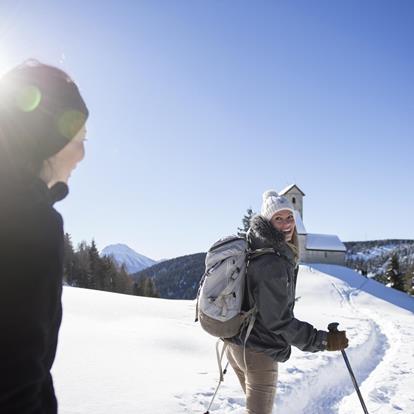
[(263, 230), (262, 234)]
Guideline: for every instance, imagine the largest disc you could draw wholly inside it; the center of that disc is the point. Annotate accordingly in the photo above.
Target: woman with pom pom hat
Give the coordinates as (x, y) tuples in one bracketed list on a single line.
[(271, 284), (42, 130)]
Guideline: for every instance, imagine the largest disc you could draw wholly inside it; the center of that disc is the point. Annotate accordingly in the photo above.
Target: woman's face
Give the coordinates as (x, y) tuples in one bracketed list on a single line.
[(284, 221), (60, 166)]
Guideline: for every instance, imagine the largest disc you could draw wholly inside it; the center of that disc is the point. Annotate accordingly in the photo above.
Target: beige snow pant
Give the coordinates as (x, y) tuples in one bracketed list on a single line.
[(258, 379)]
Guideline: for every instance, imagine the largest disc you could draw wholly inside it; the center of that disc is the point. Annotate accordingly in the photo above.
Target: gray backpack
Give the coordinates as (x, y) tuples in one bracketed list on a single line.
[(221, 291)]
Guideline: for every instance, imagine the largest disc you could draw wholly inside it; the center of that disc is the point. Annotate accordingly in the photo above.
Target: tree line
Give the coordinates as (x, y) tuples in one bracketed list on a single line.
[(84, 267), (397, 279), (394, 266)]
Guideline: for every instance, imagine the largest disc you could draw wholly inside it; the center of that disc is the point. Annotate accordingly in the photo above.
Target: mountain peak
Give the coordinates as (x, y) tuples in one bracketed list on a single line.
[(124, 255)]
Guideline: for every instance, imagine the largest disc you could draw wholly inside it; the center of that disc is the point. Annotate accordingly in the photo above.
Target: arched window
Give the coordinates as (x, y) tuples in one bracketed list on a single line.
[(293, 200)]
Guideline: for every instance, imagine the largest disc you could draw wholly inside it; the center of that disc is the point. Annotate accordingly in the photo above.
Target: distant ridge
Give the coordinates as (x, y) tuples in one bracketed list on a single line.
[(176, 278)]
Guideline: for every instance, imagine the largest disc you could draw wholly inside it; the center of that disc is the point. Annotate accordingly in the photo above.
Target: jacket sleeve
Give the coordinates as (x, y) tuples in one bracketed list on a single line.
[(30, 300), (274, 297)]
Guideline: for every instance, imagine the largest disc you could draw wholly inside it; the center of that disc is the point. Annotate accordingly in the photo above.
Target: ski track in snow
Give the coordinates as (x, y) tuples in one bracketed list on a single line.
[(381, 386), (331, 381), (321, 389)]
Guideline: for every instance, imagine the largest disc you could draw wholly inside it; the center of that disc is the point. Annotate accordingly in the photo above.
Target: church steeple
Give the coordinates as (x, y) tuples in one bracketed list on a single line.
[(295, 195)]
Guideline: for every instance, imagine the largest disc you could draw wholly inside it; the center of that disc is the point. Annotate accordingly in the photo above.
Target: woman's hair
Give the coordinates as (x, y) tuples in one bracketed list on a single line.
[(295, 239), (41, 110)]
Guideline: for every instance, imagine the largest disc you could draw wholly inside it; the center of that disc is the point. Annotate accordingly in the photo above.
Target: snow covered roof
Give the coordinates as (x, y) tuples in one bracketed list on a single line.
[(300, 227), (290, 187), (324, 242)]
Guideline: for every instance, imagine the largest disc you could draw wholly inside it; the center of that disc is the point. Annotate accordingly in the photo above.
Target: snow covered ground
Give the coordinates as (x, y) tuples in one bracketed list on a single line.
[(125, 354)]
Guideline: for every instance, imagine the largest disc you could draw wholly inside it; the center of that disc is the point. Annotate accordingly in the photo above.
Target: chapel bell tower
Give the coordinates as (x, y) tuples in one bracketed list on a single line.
[(295, 195)]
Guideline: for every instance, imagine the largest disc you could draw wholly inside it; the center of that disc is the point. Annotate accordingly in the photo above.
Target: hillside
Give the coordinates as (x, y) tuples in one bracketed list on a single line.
[(176, 278), (373, 256), (126, 354)]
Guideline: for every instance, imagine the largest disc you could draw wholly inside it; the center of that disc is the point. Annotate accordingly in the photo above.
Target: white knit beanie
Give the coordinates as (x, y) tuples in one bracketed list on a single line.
[(273, 202)]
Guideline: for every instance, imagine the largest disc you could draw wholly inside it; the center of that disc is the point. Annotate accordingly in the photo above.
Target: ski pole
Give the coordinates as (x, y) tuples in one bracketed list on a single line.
[(218, 386), (333, 327)]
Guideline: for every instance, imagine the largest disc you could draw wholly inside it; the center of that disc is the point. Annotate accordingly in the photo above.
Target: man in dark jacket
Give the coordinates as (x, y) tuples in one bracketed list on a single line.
[(31, 261), (42, 118)]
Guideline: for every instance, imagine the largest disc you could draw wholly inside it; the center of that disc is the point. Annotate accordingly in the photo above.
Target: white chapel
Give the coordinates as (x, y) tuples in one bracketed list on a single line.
[(314, 248)]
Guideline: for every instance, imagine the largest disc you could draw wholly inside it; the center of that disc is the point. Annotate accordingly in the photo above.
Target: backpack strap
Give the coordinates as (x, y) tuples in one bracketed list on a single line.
[(253, 254), (220, 357), (198, 295), (248, 331)]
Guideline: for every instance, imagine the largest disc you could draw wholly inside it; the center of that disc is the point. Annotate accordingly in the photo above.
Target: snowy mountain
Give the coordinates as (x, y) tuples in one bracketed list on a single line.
[(128, 354), (132, 260)]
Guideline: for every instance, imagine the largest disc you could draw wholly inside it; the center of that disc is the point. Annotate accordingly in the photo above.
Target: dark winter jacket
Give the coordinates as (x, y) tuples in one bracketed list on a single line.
[(271, 286), (31, 261)]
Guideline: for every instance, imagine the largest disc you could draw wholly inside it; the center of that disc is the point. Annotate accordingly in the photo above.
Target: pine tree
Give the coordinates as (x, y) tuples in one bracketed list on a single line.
[(394, 276), (382, 278), (85, 268), (96, 279), (245, 223), (145, 287), (408, 280), (122, 282), (109, 274), (68, 260), (150, 289), (82, 269), (139, 287)]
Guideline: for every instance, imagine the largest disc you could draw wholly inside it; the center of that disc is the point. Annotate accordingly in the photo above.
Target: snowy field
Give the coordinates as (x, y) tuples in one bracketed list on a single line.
[(121, 354)]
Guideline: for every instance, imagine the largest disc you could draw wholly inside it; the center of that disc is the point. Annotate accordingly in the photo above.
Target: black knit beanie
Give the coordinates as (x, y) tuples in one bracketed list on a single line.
[(41, 110)]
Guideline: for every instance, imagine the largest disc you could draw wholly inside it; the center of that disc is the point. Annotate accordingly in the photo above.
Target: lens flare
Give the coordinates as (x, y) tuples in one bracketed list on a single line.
[(70, 122), (28, 98)]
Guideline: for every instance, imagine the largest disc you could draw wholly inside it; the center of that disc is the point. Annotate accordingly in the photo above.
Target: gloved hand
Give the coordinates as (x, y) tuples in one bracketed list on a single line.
[(337, 340)]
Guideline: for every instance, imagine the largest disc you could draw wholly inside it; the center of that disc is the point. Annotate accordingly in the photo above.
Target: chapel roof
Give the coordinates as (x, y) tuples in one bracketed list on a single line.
[(289, 188)]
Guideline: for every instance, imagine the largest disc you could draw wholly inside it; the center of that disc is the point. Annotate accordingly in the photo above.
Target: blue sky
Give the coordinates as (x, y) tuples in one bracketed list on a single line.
[(197, 107)]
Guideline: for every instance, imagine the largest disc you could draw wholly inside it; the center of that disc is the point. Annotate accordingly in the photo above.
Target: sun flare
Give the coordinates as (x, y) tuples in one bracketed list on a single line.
[(6, 61)]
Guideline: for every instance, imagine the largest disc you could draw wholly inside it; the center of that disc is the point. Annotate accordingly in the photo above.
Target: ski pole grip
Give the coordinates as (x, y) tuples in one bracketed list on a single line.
[(333, 327)]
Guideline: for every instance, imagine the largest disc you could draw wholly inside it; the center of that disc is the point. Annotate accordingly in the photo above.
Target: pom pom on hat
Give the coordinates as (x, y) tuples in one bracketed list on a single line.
[(269, 193), (273, 202)]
